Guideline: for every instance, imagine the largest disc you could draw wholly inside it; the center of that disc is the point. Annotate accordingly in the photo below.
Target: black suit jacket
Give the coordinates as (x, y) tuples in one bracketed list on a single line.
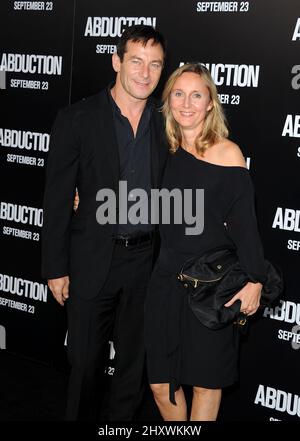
[(84, 154)]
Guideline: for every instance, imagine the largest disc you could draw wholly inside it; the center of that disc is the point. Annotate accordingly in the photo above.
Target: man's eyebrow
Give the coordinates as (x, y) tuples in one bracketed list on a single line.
[(139, 58)]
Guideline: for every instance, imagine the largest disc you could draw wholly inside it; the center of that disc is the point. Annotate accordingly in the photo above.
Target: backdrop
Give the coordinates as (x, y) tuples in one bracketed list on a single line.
[(53, 53)]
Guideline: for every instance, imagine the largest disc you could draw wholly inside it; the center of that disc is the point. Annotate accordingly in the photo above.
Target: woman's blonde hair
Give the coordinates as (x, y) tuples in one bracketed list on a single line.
[(214, 127)]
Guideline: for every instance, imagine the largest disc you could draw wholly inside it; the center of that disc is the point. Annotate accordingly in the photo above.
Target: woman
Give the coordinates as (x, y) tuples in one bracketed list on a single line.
[(180, 350)]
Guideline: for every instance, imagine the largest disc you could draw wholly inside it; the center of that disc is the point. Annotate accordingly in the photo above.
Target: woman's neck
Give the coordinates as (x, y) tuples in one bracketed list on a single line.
[(188, 141)]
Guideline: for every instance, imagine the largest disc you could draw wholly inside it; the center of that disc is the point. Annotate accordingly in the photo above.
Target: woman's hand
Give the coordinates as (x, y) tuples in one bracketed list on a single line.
[(250, 298), (76, 201)]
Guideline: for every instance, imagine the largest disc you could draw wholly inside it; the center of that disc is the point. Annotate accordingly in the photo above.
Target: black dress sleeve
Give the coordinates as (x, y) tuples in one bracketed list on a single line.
[(242, 228)]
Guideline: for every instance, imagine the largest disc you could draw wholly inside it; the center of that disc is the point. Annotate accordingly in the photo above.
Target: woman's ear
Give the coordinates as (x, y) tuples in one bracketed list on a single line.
[(209, 107)]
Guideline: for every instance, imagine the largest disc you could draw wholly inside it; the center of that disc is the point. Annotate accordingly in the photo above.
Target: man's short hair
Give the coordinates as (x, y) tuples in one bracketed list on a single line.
[(139, 33)]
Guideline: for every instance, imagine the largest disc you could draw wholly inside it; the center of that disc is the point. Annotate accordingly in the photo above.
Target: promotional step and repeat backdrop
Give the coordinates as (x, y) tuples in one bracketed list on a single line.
[(54, 53)]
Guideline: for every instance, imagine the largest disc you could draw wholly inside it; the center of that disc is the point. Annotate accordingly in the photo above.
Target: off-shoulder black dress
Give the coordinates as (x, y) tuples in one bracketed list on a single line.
[(180, 350)]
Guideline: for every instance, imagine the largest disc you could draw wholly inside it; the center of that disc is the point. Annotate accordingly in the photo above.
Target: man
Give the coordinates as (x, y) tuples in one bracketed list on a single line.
[(101, 270)]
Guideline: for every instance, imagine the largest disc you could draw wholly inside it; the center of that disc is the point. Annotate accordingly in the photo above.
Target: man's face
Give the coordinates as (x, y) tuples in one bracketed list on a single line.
[(140, 70)]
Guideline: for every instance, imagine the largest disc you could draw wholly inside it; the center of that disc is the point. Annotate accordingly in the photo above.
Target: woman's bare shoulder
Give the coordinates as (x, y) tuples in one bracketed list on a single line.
[(230, 154)]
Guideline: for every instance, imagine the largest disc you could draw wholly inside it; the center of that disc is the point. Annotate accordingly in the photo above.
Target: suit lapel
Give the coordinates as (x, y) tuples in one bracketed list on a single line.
[(154, 146), (106, 137)]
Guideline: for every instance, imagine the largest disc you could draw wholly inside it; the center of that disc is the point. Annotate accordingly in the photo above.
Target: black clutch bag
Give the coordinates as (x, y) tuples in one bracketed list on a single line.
[(214, 278)]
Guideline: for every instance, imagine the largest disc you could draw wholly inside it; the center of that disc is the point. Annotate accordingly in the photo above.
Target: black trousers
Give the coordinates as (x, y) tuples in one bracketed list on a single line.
[(118, 309)]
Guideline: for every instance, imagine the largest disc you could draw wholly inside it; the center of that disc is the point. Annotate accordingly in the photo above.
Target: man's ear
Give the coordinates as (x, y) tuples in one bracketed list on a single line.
[(116, 62)]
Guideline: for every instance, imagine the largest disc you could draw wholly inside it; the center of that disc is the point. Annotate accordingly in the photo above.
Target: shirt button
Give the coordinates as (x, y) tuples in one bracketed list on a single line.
[(132, 171)]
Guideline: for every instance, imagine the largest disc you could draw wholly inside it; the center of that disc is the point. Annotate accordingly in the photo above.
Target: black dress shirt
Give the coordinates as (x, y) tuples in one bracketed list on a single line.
[(135, 165)]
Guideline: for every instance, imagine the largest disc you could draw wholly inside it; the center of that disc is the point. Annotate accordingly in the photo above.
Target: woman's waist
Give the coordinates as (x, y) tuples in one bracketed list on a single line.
[(172, 259)]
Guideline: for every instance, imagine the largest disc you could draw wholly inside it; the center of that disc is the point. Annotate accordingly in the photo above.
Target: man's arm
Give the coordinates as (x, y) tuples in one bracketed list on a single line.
[(61, 175)]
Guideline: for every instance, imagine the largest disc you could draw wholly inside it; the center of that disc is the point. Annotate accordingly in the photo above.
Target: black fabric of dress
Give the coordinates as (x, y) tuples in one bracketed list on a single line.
[(180, 350)]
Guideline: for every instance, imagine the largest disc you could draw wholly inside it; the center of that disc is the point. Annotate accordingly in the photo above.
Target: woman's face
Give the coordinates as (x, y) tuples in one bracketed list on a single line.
[(189, 101)]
